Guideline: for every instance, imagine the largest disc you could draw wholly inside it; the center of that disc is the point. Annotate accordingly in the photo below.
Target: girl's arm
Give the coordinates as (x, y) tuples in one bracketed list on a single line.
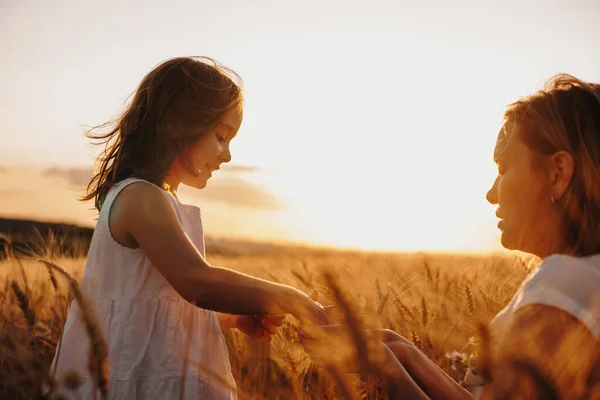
[(143, 212), (226, 321)]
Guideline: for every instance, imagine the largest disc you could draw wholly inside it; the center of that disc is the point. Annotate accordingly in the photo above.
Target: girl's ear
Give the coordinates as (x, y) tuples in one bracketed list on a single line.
[(561, 173)]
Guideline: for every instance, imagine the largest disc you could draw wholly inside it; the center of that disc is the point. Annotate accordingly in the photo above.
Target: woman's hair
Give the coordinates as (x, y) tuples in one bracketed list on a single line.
[(565, 116), (174, 105)]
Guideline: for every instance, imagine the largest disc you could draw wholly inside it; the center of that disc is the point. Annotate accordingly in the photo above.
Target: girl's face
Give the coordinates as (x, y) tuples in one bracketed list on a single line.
[(196, 163), (523, 193)]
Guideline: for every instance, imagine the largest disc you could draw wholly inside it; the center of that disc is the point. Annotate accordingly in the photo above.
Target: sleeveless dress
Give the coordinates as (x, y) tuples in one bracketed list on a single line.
[(568, 283), (158, 343)]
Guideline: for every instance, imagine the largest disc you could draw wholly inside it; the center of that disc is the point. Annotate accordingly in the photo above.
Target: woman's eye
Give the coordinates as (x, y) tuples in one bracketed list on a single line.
[(501, 167)]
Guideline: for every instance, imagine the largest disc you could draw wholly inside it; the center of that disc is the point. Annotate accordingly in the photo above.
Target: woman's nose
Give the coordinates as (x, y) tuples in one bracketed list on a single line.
[(492, 194)]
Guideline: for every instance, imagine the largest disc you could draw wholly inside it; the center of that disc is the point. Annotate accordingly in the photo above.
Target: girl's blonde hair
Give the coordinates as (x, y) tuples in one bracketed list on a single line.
[(565, 116), (175, 104)]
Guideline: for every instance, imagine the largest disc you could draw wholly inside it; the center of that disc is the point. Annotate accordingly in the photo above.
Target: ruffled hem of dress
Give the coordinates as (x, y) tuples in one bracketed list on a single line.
[(195, 387)]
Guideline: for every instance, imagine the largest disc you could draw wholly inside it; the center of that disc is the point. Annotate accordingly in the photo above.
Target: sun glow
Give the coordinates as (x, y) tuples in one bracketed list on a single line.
[(368, 125)]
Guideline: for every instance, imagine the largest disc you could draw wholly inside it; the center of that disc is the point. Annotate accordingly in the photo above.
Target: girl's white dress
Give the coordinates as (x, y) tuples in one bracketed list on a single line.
[(568, 283), (158, 343)]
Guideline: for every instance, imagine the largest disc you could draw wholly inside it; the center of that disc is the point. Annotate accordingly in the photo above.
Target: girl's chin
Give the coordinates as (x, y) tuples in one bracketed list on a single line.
[(198, 182)]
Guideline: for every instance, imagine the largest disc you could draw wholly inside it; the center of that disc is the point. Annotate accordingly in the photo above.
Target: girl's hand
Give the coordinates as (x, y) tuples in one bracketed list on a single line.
[(259, 327), (309, 311)]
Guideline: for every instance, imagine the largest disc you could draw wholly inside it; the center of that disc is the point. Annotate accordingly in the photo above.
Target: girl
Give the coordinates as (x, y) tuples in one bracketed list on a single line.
[(150, 286), (548, 197)]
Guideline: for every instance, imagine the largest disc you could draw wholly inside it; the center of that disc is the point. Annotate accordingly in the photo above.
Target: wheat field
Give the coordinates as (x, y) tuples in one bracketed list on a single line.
[(434, 300)]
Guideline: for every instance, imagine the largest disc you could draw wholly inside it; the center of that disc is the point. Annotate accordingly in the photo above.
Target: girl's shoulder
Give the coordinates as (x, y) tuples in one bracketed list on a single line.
[(134, 204), (134, 190)]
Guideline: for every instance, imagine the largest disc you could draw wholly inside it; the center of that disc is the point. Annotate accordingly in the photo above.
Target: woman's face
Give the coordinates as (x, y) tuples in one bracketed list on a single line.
[(523, 193)]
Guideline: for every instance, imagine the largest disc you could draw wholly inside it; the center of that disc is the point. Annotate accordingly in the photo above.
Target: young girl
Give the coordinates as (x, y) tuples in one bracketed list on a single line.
[(150, 286)]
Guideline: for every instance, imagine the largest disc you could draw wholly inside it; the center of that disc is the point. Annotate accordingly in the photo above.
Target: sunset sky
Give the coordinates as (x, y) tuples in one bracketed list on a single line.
[(367, 125)]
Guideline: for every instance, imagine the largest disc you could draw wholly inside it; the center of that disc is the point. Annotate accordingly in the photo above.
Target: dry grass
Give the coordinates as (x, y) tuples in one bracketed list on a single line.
[(436, 301)]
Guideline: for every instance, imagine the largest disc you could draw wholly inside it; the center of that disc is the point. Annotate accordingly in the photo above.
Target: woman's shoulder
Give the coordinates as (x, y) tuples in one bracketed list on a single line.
[(562, 270), (571, 284)]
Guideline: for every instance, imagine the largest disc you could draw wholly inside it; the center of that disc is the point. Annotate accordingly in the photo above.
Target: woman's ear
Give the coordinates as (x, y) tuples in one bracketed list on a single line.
[(561, 172)]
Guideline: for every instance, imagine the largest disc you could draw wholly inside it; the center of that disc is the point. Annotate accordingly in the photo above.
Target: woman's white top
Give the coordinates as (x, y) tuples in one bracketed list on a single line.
[(158, 343), (568, 283)]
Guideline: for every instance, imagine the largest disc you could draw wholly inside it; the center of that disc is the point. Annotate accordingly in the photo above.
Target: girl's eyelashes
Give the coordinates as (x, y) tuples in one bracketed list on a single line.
[(222, 137)]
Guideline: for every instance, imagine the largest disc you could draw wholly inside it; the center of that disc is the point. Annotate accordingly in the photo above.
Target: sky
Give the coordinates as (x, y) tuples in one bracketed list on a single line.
[(367, 125)]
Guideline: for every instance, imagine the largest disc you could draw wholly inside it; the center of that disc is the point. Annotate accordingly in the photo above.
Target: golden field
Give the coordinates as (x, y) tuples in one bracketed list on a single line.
[(434, 300)]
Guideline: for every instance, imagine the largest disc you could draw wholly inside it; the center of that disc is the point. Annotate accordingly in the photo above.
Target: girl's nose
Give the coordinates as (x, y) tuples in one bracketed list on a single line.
[(226, 155)]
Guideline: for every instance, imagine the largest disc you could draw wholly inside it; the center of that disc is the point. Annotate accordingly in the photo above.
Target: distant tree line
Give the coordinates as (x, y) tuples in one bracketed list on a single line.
[(35, 238)]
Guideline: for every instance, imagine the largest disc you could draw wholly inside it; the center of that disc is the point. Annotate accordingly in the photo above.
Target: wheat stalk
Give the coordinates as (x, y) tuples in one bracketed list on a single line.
[(470, 301), (424, 313), (98, 359), (23, 305)]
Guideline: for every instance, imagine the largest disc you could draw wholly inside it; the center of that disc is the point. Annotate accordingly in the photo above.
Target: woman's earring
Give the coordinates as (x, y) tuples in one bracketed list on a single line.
[(552, 199)]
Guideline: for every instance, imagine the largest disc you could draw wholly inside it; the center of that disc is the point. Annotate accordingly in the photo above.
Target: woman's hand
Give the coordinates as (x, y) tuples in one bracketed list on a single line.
[(390, 337), (335, 346)]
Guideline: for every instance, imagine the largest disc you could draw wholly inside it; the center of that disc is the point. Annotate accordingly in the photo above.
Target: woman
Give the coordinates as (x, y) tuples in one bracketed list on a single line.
[(548, 197)]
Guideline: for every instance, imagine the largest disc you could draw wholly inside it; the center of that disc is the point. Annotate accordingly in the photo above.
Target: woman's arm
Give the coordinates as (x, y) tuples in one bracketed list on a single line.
[(430, 378), (334, 347), (149, 218), (398, 382), (434, 381)]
